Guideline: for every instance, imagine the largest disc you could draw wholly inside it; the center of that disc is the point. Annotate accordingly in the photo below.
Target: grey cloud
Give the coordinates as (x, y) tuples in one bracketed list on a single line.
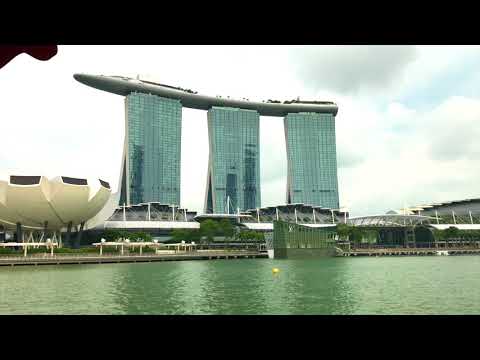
[(348, 69)]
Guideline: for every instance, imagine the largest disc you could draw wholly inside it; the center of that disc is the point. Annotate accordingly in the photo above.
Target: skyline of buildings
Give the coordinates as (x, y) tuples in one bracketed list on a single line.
[(153, 127), (385, 122), (311, 159), (152, 148), (233, 180)]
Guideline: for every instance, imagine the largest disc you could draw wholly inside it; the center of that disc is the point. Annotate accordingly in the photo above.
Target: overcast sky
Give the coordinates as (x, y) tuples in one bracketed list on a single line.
[(407, 126)]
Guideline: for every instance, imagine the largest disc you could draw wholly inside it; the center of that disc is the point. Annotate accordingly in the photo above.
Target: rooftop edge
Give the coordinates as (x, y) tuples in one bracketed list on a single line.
[(124, 86)]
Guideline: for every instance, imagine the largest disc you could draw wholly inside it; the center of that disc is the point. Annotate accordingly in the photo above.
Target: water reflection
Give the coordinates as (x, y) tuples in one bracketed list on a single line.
[(313, 286), (413, 285), (46, 290), (409, 285), (153, 288)]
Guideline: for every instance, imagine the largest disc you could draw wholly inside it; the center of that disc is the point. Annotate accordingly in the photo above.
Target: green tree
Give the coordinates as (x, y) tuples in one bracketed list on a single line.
[(356, 235), (179, 234), (141, 236), (243, 235), (111, 235), (451, 233), (208, 229), (475, 235), (133, 236), (114, 235), (226, 228), (194, 235), (344, 231), (248, 235), (260, 236), (371, 236), (439, 235), (123, 234)]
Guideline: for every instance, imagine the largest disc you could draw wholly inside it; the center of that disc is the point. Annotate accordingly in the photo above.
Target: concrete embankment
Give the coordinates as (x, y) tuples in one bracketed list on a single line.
[(104, 259)]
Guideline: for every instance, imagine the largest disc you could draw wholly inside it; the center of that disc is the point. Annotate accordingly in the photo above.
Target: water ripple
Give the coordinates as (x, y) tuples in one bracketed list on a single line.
[(407, 285)]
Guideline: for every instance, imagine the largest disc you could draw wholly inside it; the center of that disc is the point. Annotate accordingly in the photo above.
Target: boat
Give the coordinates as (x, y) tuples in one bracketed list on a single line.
[(442, 253)]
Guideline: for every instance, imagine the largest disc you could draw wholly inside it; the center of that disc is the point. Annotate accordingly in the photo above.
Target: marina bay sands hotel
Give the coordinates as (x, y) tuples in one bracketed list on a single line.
[(153, 126)]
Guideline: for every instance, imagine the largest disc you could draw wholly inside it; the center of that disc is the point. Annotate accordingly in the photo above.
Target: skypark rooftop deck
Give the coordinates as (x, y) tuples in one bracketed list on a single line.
[(124, 86)]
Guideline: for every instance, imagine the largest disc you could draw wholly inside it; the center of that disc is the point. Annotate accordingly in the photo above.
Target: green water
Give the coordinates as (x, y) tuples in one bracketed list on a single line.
[(384, 285)]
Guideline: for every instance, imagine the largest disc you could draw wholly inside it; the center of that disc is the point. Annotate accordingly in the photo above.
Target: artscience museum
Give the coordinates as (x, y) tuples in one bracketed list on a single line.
[(35, 207)]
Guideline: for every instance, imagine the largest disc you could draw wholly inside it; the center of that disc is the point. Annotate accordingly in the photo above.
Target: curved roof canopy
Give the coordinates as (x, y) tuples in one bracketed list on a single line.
[(124, 86), (435, 206), (389, 220), (34, 201)]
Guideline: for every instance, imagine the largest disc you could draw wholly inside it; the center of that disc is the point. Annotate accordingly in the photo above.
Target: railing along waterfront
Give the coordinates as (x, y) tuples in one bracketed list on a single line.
[(34, 258), (404, 251)]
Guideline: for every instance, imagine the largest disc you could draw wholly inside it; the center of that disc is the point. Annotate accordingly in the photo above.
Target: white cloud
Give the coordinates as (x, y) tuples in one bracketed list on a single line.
[(407, 169)]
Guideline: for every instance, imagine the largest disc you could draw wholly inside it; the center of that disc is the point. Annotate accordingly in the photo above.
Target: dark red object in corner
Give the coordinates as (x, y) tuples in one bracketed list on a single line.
[(40, 52)]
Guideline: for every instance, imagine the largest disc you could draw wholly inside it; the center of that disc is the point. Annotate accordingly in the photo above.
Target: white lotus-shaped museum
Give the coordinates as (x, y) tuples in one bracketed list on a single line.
[(38, 202)]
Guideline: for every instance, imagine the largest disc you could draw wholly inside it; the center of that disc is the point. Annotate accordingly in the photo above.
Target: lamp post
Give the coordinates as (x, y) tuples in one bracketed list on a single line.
[(173, 206), (126, 241), (102, 241), (49, 244)]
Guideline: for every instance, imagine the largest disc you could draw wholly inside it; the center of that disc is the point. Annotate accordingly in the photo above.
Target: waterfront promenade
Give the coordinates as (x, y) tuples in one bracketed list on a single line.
[(409, 252), (47, 259)]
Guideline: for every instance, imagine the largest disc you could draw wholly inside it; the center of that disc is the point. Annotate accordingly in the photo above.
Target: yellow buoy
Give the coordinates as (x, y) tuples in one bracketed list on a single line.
[(275, 270)]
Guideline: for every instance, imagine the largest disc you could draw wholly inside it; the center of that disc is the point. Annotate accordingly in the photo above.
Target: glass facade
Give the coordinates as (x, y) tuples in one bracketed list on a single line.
[(297, 241), (312, 160), (288, 235), (152, 157), (234, 160)]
